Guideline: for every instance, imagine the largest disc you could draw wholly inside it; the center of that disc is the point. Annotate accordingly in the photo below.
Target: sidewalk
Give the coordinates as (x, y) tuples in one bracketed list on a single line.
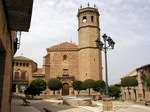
[(38, 105), (57, 106), (16, 106)]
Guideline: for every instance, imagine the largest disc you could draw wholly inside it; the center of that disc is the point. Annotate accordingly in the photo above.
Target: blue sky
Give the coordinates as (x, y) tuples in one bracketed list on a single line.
[(127, 22)]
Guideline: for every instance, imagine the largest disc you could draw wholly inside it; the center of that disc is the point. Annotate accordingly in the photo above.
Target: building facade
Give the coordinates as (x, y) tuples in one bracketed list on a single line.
[(141, 92), (8, 45), (24, 68), (68, 61), (6, 61)]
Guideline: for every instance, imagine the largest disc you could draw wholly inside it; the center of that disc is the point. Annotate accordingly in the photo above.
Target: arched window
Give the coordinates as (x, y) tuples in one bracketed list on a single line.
[(23, 64), (23, 75), (98, 20), (20, 64), (92, 19), (16, 76), (27, 64), (84, 20), (64, 57), (17, 64)]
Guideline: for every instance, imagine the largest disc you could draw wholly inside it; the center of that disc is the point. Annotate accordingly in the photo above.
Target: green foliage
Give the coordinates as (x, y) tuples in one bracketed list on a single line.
[(100, 86), (88, 84), (129, 81), (36, 87), (39, 84), (113, 91), (148, 81), (54, 84), (77, 85), (32, 90)]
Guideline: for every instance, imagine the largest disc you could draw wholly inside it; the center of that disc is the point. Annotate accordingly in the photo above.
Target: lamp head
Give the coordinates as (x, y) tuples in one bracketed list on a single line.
[(99, 44), (110, 42), (105, 37)]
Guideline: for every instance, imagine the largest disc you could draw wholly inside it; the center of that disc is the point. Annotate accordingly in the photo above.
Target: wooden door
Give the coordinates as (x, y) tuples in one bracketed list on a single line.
[(65, 89)]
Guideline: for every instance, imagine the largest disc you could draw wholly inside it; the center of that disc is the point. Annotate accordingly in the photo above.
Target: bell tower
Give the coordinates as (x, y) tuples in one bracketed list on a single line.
[(90, 65)]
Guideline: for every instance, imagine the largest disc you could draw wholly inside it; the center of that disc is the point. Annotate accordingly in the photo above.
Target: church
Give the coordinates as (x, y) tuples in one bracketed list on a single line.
[(68, 61)]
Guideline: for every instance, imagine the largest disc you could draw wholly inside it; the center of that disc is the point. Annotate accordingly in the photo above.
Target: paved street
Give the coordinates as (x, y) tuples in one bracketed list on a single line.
[(57, 106)]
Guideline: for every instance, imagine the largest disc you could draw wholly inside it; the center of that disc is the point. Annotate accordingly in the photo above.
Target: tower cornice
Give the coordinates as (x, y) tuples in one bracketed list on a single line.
[(87, 9), (89, 26)]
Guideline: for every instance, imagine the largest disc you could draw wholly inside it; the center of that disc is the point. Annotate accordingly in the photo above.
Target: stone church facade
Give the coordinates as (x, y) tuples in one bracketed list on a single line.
[(68, 61)]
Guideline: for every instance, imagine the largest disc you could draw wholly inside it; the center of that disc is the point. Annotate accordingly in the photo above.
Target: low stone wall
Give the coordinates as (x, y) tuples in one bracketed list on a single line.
[(93, 97), (84, 102)]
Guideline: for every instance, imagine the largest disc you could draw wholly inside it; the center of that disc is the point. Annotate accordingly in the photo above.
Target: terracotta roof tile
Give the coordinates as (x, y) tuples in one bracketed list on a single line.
[(38, 71), (22, 58), (64, 45)]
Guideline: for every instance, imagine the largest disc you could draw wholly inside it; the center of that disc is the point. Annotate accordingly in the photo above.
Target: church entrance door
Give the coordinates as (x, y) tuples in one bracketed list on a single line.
[(65, 89)]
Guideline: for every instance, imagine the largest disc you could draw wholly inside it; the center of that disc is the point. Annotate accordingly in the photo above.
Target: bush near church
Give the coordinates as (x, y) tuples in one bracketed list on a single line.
[(77, 85), (100, 86), (113, 91), (88, 84), (54, 84), (36, 87)]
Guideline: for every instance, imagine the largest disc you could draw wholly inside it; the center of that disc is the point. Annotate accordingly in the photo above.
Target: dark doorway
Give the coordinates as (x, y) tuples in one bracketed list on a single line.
[(2, 69), (13, 87), (65, 89)]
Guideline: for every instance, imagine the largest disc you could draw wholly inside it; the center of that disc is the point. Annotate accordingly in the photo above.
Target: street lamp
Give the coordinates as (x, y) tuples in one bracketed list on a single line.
[(105, 46)]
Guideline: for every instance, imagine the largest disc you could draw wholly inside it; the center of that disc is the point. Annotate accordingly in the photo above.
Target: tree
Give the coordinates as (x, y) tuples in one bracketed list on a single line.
[(36, 87), (100, 86), (129, 82), (33, 91), (39, 83), (77, 85), (147, 81), (54, 84), (88, 84), (113, 91)]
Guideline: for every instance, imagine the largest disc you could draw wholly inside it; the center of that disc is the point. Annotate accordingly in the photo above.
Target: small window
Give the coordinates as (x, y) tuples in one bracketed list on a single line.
[(17, 64), (23, 75), (84, 19), (27, 64), (64, 57), (16, 76), (97, 21), (20, 64), (92, 19), (23, 64)]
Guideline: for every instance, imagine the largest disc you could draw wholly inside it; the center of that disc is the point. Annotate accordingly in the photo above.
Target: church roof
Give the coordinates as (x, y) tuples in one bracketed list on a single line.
[(39, 71), (63, 46), (22, 58)]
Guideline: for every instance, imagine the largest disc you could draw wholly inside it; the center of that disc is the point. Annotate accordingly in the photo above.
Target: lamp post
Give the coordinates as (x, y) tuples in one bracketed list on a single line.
[(108, 44)]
